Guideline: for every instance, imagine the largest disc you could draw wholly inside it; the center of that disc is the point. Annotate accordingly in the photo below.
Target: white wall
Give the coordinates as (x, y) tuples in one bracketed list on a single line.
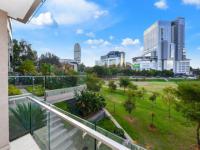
[(4, 126)]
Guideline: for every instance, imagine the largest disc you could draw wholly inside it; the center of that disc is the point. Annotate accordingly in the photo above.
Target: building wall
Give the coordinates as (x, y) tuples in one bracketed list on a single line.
[(109, 60), (77, 53), (4, 125), (165, 41)]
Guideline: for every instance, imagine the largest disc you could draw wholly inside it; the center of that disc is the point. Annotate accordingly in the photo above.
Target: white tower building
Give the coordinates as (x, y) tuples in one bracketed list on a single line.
[(77, 53)]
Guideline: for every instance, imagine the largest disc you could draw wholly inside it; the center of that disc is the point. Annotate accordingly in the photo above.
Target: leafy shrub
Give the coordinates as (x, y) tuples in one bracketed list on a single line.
[(119, 132), (89, 102), (13, 90)]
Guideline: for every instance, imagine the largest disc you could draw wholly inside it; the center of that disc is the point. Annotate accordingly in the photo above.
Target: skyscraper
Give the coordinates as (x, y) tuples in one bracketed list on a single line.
[(164, 48), (77, 53)]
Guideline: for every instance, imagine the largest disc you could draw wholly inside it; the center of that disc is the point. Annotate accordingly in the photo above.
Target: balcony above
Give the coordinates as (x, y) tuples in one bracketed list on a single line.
[(20, 10)]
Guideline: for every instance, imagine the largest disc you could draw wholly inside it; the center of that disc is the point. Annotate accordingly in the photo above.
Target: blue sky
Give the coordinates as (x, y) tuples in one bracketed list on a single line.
[(104, 25)]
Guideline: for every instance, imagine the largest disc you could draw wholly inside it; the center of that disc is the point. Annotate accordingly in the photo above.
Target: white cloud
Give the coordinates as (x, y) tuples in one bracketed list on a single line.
[(43, 19), (70, 12), (82, 32), (130, 42), (97, 42), (161, 4), (90, 34), (79, 31), (100, 13), (192, 2)]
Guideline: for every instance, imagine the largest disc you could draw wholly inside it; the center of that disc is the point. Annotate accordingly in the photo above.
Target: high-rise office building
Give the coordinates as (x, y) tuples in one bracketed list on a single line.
[(77, 53), (112, 58), (164, 48)]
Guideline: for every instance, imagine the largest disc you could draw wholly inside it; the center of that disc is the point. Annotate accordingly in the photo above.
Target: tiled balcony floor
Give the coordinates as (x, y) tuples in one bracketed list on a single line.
[(24, 143)]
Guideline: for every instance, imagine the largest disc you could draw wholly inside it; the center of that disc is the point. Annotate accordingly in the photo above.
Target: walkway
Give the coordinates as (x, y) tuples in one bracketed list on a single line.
[(55, 96)]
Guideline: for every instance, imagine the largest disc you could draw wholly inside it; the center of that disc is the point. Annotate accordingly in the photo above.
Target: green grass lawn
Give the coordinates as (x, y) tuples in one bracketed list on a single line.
[(62, 105), (174, 134), (106, 124)]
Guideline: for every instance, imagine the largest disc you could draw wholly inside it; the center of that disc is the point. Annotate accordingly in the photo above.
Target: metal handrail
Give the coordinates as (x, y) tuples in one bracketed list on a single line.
[(98, 136)]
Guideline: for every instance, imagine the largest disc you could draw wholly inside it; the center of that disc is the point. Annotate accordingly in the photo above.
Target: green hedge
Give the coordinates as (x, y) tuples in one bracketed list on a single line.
[(13, 90), (37, 90)]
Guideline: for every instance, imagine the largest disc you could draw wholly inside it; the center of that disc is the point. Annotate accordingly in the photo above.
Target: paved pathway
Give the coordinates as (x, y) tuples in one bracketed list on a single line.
[(59, 95)]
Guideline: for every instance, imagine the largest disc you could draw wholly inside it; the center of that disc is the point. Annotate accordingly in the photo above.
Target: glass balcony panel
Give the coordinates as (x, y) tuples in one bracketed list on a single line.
[(19, 118), (40, 125)]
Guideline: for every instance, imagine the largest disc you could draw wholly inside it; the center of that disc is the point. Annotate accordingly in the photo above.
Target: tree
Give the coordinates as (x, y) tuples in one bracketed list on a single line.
[(93, 83), (124, 82), (132, 86), (143, 92), (49, 58), (112, 86), (169, 97), (152, 120), (189, 104), (129, 105), (153, 98), (27, 68), (89, 102), (22, 51), (81, 67), (46, 69)]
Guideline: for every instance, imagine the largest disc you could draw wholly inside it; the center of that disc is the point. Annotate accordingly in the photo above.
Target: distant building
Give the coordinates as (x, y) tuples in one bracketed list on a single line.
[(112, 58), (164, 48), (77, 53), (69, 64)]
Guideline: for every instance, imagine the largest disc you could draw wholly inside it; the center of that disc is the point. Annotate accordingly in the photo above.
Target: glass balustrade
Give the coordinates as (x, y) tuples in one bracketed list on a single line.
[(51, 131)]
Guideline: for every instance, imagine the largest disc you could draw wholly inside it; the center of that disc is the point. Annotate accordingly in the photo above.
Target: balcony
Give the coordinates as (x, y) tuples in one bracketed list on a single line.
[(34, 119)]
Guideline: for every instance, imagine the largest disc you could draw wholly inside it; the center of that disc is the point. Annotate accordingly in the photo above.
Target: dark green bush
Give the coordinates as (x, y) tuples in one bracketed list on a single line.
[(89, 102)]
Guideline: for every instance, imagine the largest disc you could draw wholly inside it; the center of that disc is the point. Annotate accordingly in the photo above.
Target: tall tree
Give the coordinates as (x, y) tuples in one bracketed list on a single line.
[(189, 95), (46, 69), (112, 86), (49, 58), (153, 98), (169, 97), (27, 68), (22, 51), (93, 83)]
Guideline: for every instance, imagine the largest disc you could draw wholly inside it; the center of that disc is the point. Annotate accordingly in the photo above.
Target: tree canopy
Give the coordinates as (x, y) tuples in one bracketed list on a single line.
[(189, 95)]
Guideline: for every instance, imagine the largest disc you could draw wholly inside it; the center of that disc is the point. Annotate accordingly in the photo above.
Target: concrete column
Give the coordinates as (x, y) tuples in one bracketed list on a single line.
[(4, 120)]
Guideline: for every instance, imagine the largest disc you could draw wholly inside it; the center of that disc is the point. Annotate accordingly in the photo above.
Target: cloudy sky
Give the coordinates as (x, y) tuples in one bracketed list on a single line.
[(104, 25)]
